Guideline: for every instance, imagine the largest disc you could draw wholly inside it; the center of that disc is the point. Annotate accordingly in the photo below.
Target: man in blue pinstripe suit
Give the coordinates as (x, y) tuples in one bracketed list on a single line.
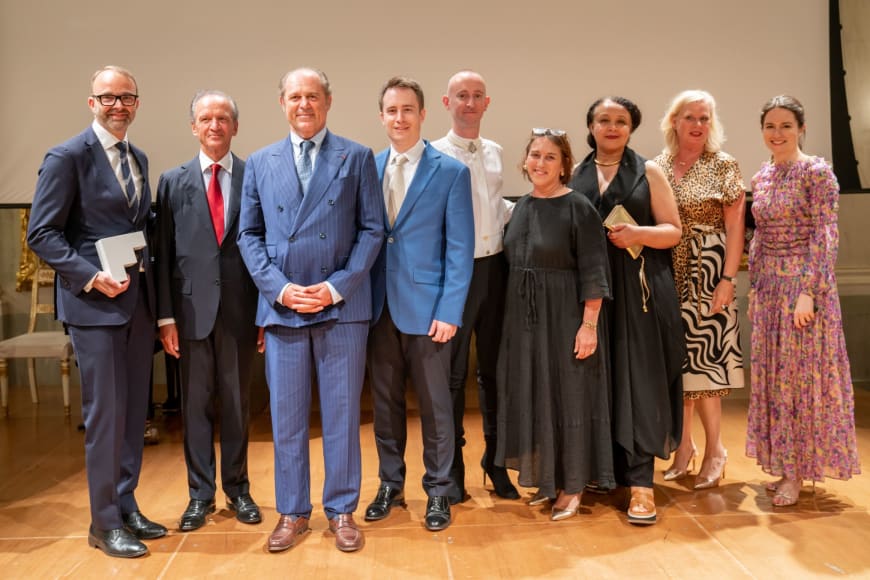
[(310, 228)]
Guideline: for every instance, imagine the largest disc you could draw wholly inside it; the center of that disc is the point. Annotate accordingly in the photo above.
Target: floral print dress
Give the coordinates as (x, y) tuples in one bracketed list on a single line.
[(801, 421)]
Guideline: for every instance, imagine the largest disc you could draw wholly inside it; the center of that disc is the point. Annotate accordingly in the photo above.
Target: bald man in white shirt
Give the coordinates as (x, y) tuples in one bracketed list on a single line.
[(466, 101)]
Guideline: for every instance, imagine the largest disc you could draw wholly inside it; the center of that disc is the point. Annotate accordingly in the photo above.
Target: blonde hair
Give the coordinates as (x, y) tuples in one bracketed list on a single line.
[(715, 134)]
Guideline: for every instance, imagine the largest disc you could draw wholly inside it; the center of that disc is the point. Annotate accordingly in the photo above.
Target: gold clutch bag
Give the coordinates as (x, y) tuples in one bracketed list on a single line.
[(619, 215)]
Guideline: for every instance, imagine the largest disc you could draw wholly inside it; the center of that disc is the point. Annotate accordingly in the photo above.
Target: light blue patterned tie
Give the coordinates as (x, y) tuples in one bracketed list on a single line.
[(303, 165), (126, 175)]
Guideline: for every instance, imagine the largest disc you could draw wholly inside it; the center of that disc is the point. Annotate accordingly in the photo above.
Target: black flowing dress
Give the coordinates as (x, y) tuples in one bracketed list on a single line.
[(554, 410), (647, 348)]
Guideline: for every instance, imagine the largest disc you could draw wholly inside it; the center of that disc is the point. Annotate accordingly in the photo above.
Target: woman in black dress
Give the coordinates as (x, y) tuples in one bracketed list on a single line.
[(647, 343), (553, 416)]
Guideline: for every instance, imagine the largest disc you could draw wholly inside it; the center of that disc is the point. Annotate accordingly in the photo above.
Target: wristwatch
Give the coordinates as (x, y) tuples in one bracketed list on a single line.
[(731, 279)]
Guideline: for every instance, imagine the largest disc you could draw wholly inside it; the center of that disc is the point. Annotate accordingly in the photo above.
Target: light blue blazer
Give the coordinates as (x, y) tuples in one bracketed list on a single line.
[(424, 268)]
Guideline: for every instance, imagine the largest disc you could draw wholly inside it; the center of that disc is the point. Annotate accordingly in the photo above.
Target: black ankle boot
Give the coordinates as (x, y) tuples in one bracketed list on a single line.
[(498, 475)]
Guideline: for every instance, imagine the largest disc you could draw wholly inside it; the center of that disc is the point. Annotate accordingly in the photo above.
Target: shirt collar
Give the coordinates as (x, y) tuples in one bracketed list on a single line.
[(226, 162), (107, 140), (317, 139), (463, 143), (413, 154)]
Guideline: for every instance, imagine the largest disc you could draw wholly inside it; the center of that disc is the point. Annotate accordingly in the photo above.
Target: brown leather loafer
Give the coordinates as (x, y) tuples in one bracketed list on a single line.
[(287, 532), (348, 537)]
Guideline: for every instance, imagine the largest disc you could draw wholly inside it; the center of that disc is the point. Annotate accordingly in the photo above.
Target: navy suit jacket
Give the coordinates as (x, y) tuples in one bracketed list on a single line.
[(194, 273), (331, 234), (78, 201), (424, 268)]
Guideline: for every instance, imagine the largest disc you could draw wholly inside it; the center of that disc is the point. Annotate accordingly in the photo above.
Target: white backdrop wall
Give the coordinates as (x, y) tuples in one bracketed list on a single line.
[(544, 63)]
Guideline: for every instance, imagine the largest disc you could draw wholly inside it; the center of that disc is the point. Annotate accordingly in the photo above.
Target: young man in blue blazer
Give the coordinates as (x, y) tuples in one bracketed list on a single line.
[(419, 285)]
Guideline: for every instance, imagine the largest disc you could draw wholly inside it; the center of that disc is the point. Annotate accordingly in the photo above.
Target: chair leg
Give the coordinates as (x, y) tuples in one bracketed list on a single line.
[(4, 387), (31, 374), (64, 379)]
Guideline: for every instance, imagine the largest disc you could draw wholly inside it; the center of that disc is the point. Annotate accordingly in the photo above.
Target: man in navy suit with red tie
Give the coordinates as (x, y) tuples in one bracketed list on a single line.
[(309, 231), (92, 187), (206, 305)]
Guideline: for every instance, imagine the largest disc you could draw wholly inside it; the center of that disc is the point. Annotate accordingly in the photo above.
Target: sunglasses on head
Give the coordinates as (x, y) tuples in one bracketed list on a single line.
[(542, 132)]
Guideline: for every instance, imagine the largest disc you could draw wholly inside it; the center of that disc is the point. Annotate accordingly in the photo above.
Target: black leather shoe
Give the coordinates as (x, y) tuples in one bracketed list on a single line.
[(120, 543), (142, 527), (246, 509), (194, 516), (387, 497), (437, 513)]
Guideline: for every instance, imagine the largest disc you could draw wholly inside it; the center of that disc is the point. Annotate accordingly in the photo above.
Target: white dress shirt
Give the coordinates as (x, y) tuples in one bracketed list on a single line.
[(491, 210), (108, 141), (409, 169), (225, 177), (296, 140)]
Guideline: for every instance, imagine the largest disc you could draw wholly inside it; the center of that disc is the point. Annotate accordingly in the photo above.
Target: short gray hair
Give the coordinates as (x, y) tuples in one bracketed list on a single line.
[(324, 81), (212, 93)]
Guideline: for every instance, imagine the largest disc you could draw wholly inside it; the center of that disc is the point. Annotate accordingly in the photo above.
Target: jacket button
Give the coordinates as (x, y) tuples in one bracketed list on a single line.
[(217, 282), (292, 239), (390, 240), (331, 202), (322, 236), (323, 270)]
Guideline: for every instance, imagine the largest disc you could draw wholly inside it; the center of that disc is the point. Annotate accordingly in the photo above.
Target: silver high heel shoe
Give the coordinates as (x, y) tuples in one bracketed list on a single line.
[(538, 499), (717, 473), (569, 511), (674, 472)]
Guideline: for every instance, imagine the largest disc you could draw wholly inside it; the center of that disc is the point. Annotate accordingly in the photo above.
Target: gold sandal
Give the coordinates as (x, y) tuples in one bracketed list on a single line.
[(785, 496)]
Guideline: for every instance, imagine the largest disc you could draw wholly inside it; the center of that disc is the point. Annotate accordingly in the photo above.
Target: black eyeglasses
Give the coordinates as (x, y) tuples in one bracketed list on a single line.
[(109, 100), (541, 132)]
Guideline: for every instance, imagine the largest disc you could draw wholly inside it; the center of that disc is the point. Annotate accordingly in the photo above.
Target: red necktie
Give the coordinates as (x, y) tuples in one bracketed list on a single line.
[(216, 203)]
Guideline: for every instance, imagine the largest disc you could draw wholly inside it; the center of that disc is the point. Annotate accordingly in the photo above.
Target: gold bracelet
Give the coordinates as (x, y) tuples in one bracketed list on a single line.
[(591, 325)]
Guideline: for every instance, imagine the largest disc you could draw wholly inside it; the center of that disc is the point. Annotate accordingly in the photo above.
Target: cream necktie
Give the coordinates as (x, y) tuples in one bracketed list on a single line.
[(396, 192)]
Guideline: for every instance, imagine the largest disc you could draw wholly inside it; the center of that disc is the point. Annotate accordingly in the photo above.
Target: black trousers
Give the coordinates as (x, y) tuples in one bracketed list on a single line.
[(483, 314), (393, 358), (633, 470)]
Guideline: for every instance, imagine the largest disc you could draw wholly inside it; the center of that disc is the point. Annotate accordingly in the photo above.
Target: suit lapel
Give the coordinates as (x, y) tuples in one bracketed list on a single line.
[(144, 206), (194, 191), (283, 178), (103, 168), (426, 169), (330, 158), (236, 194), (381, 164)]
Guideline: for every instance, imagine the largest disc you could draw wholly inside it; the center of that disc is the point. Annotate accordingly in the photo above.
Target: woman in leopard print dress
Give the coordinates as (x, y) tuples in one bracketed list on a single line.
[(710, 196)]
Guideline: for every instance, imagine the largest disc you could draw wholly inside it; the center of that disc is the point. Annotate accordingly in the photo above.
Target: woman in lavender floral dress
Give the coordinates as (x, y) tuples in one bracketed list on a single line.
[(801, 423)]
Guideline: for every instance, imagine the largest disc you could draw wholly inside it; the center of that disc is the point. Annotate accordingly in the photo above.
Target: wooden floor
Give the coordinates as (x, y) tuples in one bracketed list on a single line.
[(728, 532)]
